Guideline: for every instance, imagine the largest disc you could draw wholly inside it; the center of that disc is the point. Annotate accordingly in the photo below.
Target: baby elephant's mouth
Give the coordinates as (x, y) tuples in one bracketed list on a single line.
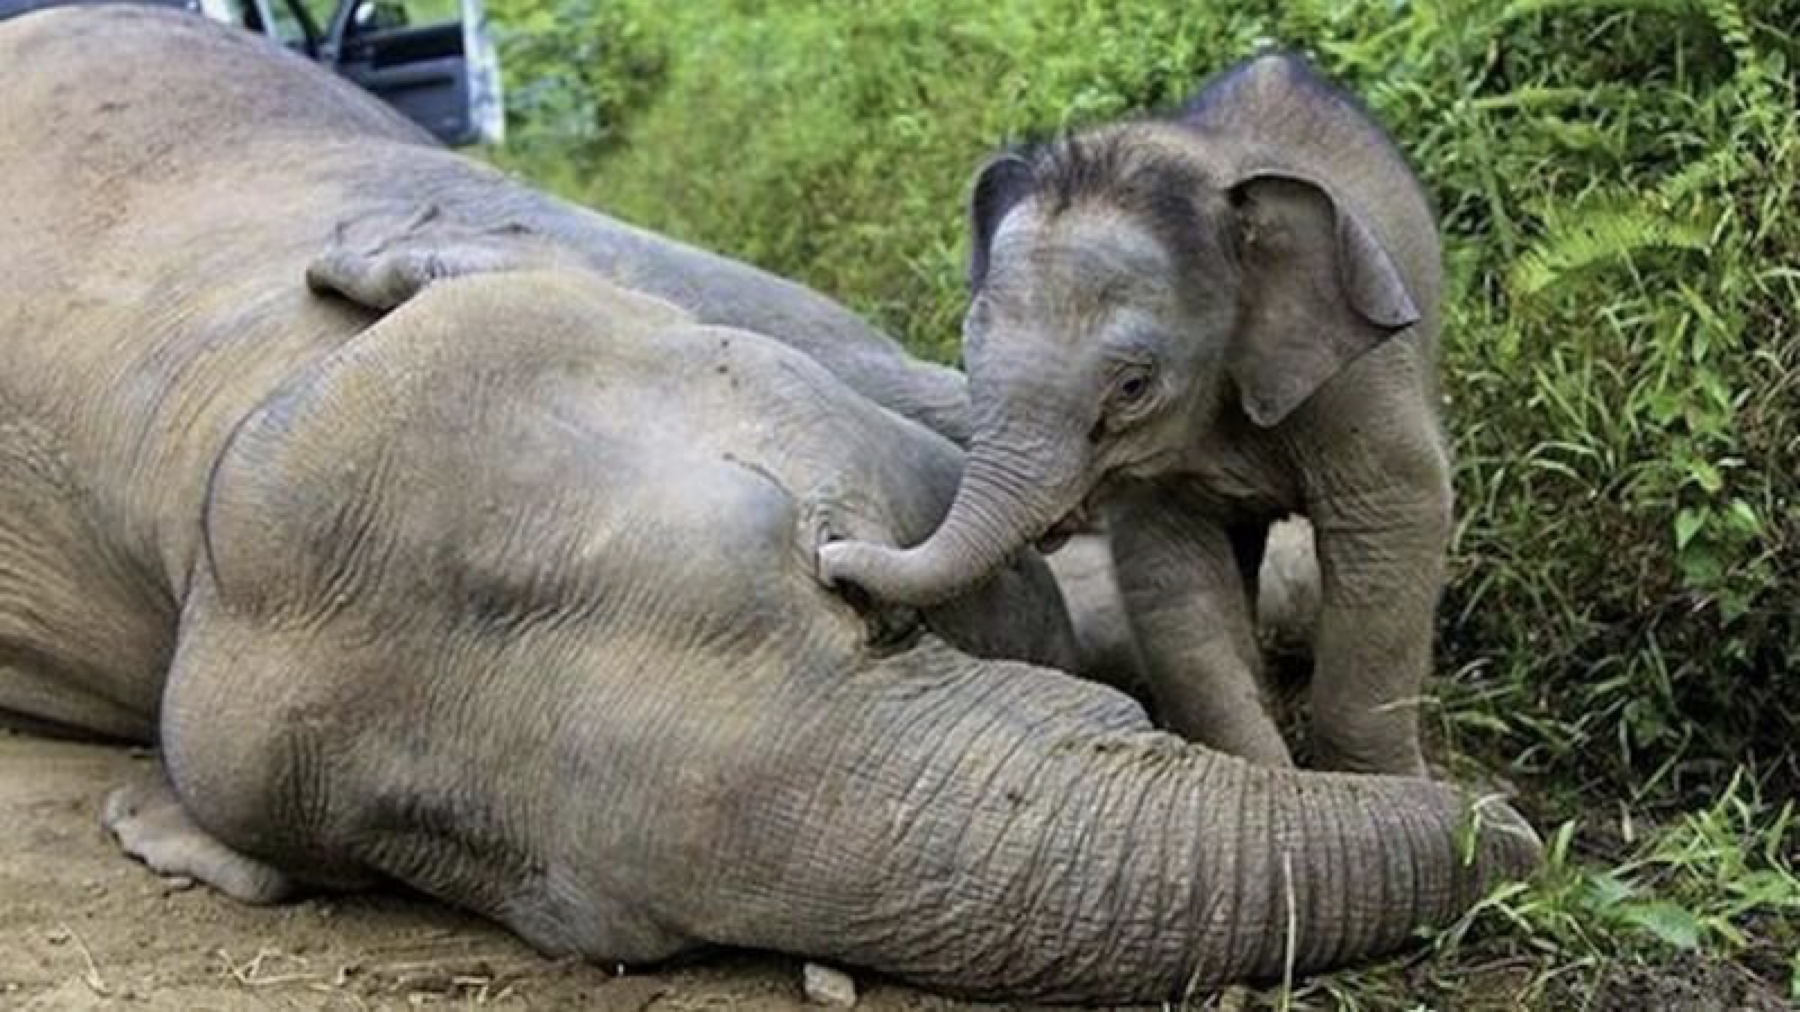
[(1076, 521)]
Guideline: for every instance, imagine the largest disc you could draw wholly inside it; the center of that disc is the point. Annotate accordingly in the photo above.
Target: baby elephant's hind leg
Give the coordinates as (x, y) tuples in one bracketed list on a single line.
[(152, 826)]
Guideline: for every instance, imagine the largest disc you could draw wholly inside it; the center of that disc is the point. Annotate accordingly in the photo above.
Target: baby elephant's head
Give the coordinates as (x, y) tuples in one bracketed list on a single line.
[(1139, 291)]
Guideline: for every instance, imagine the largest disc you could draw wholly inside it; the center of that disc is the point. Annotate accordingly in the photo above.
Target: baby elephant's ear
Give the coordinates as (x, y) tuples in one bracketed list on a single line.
[(1320, 291), (380, 264), (999, 186)]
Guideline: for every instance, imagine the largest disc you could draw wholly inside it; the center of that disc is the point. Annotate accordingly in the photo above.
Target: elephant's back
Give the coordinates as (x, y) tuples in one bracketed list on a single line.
[(168, 178), (140, 144)]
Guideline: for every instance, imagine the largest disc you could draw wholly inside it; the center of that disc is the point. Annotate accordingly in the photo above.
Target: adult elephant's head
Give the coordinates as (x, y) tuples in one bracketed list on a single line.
[(1135, 289)]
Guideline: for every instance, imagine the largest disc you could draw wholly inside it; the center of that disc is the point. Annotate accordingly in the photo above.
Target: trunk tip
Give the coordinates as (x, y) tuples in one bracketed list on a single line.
[(1504, 846), (881, 571)]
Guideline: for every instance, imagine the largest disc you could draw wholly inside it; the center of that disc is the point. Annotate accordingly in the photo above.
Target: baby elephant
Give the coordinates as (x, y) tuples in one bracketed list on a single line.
[(1201, 324)]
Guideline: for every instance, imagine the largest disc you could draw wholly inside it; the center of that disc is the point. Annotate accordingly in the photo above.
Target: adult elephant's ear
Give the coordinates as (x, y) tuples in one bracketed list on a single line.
[(1320, 291), (380, 264), (999, 186)]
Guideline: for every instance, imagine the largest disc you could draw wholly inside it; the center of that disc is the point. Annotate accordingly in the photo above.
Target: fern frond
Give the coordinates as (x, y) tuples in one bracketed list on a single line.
[(1521, 8), (1754, 80), (1584, 239), (1720, 168), (1536, 96)]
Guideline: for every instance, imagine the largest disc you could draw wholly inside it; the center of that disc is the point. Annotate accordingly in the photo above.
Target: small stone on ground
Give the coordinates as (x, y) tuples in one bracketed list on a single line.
[(825, 986)]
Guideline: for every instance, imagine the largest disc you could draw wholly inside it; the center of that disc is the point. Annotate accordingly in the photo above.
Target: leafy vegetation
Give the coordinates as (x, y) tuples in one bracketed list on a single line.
[(1617, 181)]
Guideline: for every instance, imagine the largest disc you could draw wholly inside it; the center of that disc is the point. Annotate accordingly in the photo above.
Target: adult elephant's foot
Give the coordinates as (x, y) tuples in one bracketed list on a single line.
[(150, 824)]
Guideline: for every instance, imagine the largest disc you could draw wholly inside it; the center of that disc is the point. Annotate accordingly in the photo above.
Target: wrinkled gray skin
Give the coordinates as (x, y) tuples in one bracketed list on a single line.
[(1205, 323), (508, 595), (1287, 603)]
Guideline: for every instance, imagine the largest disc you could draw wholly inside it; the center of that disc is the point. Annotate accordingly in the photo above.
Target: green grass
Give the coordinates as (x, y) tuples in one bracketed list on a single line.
[(1619, 186)]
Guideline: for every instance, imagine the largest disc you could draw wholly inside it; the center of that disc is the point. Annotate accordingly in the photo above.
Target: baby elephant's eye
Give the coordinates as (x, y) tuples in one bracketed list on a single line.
[(1133, 386)]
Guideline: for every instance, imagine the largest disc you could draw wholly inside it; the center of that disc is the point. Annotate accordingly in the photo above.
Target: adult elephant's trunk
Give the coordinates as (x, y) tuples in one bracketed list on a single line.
[(1007, 499), (997, 829)]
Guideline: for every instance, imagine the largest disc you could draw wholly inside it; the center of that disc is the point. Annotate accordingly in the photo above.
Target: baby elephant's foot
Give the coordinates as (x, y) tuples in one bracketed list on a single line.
[(150, 824)]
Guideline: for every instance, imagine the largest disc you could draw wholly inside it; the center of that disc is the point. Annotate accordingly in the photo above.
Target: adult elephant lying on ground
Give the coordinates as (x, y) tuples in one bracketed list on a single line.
[(509, 594)]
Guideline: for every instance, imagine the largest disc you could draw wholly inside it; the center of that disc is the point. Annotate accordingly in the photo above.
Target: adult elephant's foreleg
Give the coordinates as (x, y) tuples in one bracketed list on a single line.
[(250, 778), (152, 825)]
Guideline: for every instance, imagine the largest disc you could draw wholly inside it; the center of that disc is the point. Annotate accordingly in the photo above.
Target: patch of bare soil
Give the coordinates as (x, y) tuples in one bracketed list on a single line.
[(84, 927), (1686, 984)]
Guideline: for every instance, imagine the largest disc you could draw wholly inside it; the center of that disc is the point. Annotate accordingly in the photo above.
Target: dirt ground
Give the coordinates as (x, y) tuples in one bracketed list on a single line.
[(84, 927)]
